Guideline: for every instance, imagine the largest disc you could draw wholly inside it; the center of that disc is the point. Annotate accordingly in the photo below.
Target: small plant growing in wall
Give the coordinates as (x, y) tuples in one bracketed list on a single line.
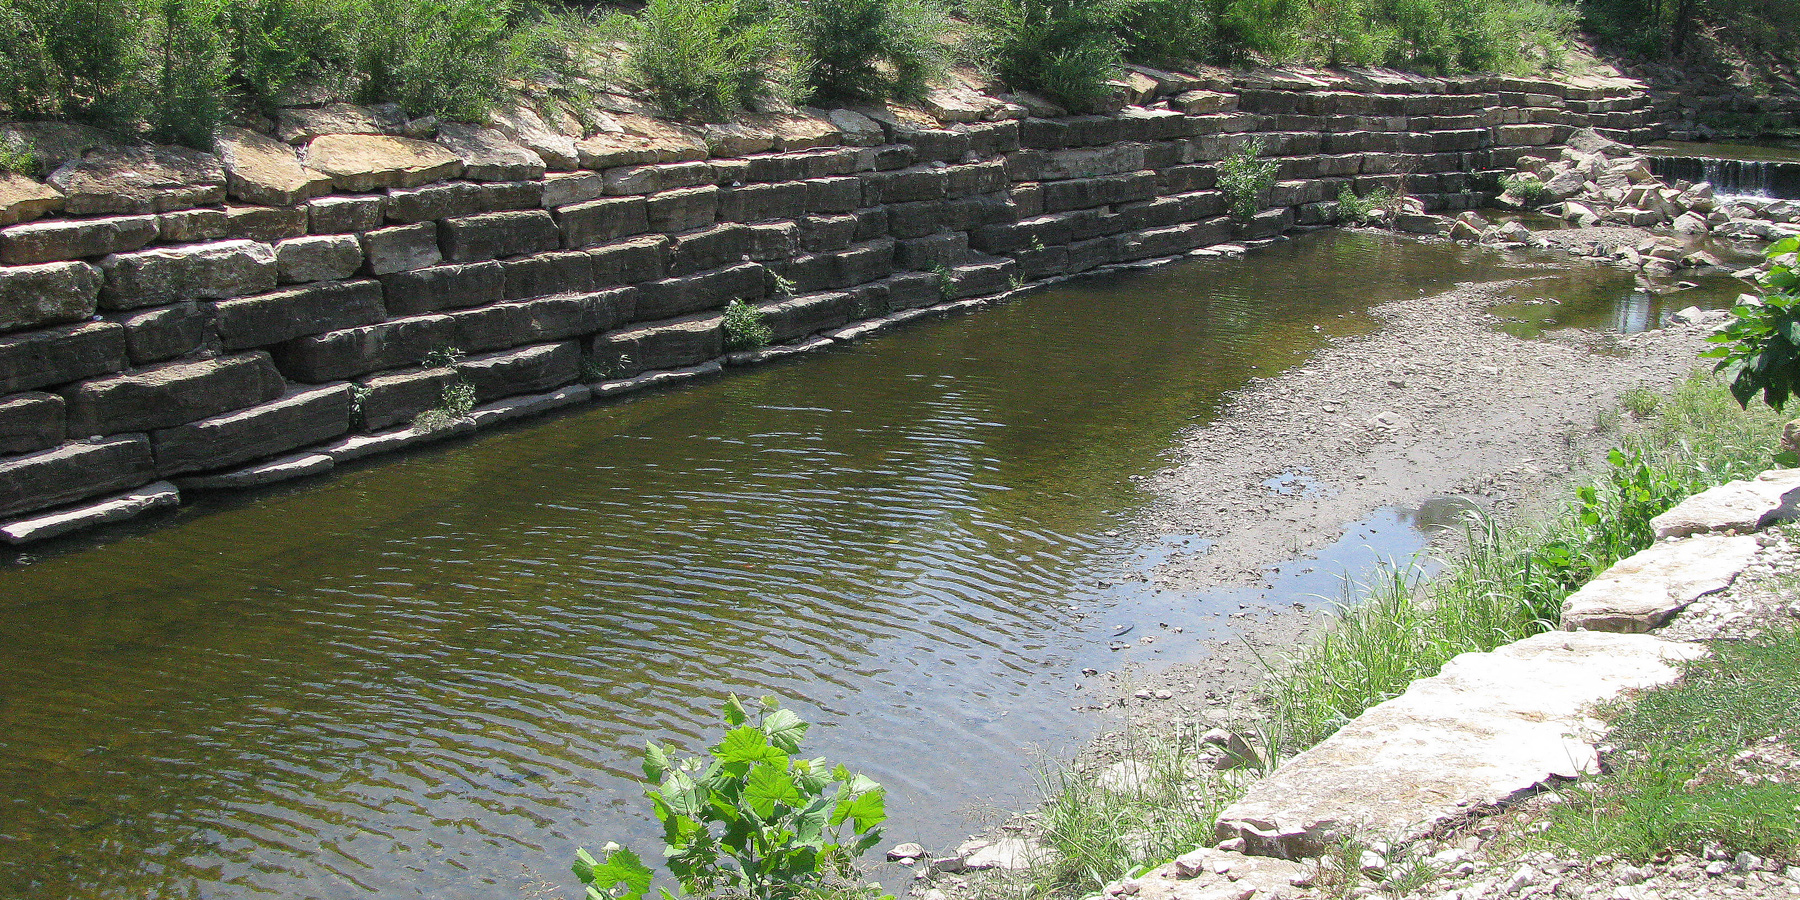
[(457, 401), (754, 821), (1246, 178), (745, 328), (946, 280), (1527, 188)]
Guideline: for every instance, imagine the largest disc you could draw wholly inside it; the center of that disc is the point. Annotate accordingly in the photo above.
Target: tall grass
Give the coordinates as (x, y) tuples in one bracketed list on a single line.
[(1508, 582), (868, 50), (1067, 50)]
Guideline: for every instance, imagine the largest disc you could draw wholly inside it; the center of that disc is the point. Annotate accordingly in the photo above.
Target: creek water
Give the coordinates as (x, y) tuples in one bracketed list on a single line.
[(432, 676), (1768, 168)]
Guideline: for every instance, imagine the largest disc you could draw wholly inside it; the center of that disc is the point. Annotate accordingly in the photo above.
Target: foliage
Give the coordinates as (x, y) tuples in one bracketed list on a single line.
[(1668, 28), (1246, 178), (1066, 50), (70, 58), (1169, 32), (450, 58), (1526, 187), (18, 159), (754, 820), (1362, 208), (1760, 347), (702, 58), (457, 401), (745, 328), (1671, 783), (868, 49), (189, 67), (275, 43)]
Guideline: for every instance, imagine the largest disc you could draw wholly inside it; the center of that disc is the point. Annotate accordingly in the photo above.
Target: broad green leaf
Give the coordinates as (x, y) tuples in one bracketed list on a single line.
[(656, 762), (621, 867), (868, 810), (735, 714), (768, 786), (746, 744), (785, 730)]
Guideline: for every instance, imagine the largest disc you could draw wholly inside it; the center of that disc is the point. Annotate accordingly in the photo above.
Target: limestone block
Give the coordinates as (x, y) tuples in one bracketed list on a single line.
[(666, 345), (188, 226), (737, 139), (542, 320), (23, 199), (305, 417), (402, 248), (927, 253), (73, 472), (528, 370), (1486, 729), (165, 332), (543, 274), (197, 271), (170, 394), (1195, 103), (396, 344), (834, 195), (287, 468), (594, 222), (444, 287), (55, 143), (496, 235), (267, 224), (129, 505), (822, 233), (325, 257), (268, 319), (139, 180), (673, 297), (345, 215), (760, 202), (262, 170), (903, 185), (564, 188), (612, 151), (631, 262), (682, 210), (391, 399), (367, 162), (981, 279), (435, 201), (859, 264), (857, 129), (1642, 591), (797, 317), (300, 125), (488, 154), (31, 422), (1741, 506), (47, 294), (57, 355), (525, 126), (530, 405)]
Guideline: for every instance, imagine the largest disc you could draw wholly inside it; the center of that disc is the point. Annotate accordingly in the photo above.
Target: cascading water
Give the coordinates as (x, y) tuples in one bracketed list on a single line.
[(1753, 170)]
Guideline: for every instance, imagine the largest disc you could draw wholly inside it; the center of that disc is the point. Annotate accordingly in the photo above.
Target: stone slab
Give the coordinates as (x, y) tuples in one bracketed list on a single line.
[(1643, 590), (129, 505), (305, 417), (47, 294), (31, 422), (367, 162), (139, 180), (357, 446), (535, 404), (300, 465), (1488, 728), (50, 356), (73, 472), (1741, 506), (61, 239), (263, 170), (23, 199)]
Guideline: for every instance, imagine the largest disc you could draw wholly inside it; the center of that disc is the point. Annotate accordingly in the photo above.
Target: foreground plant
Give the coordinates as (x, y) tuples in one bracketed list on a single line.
[(753, 821), (1760, 347), (1246, 178)]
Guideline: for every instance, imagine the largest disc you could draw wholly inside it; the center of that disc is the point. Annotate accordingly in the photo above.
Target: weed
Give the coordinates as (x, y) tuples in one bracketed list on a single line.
[(946, 281), (359, 394), (19, 160), (1640, 401), (754, 821), (1363, 208), (1526, 187), (1015, 281), (1246, 178), (702, 58), (596, 368), (784, 286), (1067, 50), (457, 401), (869, 50), (190, 66), (745, 328), (441, 356)]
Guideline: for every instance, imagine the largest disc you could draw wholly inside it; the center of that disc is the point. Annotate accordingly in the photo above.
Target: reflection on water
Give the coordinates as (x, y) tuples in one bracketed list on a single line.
[(431, 677)]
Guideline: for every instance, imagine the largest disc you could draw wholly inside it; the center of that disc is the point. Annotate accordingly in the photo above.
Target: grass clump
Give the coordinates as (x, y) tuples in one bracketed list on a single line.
[(1246, 178), (1527, 188), (1684, 771), (868, 50), (702, 58), (457, 401), (745, 328), (1067, 50)]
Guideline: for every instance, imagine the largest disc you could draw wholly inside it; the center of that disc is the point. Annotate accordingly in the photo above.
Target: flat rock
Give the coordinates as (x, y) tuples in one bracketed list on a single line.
[(46, 294), (489, 155), (1209, 874), (1008, 854), (1642, 591), (535, 404), (524, 125), (259, 169), (367, 162), (1488, 728), (139, 180), (297, 126), (300, 465), (23, 199), (357, 446), (128, 505), (1741, 506), (54, 143)]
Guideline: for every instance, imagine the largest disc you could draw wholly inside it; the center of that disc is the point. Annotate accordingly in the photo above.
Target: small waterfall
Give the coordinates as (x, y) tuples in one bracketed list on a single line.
[(1756, 178)]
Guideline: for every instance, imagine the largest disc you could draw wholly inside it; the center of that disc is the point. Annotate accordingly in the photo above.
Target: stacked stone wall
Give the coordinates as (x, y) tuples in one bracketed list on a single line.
[(235, 319)]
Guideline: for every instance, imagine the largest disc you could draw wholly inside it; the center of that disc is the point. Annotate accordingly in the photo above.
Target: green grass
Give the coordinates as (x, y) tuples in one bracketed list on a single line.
[(1675, 781), (457, 401)]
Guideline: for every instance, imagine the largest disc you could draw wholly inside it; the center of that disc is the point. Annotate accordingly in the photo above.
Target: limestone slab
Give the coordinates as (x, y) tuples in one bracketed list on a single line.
[(47, 293), (260, 169), (300, 465), (1642, 591), (139, 180), (23, 199), (535, 404), (73, 472), (489, 155), (1488, 728), (64, 239), (367, 162), (128, 505), (1741, 506)]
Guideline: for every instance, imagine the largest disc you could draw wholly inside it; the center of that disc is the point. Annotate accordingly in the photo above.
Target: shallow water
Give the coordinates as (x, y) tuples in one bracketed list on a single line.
[(431, 676)]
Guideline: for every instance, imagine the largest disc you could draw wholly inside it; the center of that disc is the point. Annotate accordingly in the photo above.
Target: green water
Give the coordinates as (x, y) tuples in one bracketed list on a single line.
[(431, 676)]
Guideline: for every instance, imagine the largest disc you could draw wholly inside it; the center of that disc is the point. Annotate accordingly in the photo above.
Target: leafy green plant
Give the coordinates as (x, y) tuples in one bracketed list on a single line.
[(190, 72), (1760, 347), (1067, 50), (1362, 208), (868, 49), (451, 58), (753, 821), (702, 58), (454, 405), (1246, 178), (71, 58), (1527, 187), (1640, 401), (275, 43), (18, 159), (946, 280), (745, 328)]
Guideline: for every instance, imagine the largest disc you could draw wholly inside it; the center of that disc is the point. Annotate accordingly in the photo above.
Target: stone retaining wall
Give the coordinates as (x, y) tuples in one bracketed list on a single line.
[(172, 321)]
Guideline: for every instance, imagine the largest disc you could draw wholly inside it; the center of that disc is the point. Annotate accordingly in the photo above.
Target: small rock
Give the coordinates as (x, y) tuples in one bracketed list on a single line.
[(908, 850), (1523, 878)]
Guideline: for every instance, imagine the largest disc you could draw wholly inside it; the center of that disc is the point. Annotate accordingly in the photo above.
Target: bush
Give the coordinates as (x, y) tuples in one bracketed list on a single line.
[(1066, 50), (1246, 178), (188, 73), (1169, 32), (70, 58), (701, 58), (868, 49), (1760, 348), (744, 327), (754, 821), (275, 43)]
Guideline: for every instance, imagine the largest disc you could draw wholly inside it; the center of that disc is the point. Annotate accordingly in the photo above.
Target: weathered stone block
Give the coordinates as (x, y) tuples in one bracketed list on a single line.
[(667, 345), (444, 287), (631, 262), (546, 319), (759, 202), (679, 296), (73, 472), (843, 269), (23, 199), (191, 226), (489, 155), (528, 370), (913, 290), (709, 249), (598, 221), (118, 508), (1086, 193), (904, 186), (153, 335), (200, 271), (682, 210), (435, 201), (565, 188), (402, 249), (171, 394), (388, 400), (496, 235), (63, 239), (269, 319), (266, 171), (397, 344), (942, 249), (301, 124), (31, 422), (345, 215), (1038, 231), (305, 417), (123, 180), (1091, 162), (368, 162), (544, 274), (1641, 592), (981, 279), (1743, 506), (325, 257), (47, 294), (612, 151), (1085, 255), (1160, 242), (834, 195), (60, 354), (1042, 263), (797, 317), (822, 233)]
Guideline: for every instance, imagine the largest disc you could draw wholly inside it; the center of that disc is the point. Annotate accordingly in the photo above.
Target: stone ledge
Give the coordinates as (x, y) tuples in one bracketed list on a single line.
[(128, 505)]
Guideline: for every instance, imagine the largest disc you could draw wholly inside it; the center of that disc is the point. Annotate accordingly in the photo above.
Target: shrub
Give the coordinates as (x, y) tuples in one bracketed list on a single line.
[(70, 58), (702, 58), (1362, 208), (450, 58), (753, 821), (1760, 347), (1526, 187), (1067, 50), (1246, 178), (744, 327), (188, 73), (275, 43), (868, 49), (1169, 32)]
